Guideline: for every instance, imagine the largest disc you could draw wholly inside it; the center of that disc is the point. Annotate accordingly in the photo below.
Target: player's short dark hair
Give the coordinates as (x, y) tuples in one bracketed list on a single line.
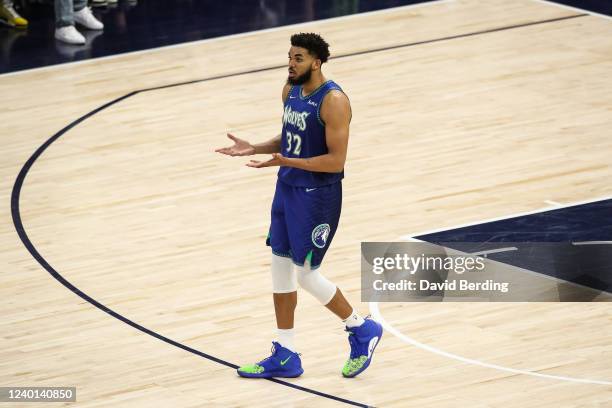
[(313, 43)]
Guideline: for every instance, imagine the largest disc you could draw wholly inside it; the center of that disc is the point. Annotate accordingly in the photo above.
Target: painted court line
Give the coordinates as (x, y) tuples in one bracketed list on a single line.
[(550, 3), (553, 203), (411, 237), (375, 311), (409, 340), (21, 231), (494, 251)]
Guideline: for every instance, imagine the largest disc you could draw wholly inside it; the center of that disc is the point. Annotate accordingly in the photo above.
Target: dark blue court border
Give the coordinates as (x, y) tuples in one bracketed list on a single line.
[(16, 194)]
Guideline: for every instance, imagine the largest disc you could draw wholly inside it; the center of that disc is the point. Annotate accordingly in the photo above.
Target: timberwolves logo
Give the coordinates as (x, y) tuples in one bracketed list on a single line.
[(320, 234)]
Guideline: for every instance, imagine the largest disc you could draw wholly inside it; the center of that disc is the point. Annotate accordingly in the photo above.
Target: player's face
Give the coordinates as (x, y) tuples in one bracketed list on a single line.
[(300, 66)]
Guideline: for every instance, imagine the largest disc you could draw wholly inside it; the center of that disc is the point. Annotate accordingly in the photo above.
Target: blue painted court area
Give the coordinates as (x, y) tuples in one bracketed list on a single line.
[(596, 6), (573, 243)]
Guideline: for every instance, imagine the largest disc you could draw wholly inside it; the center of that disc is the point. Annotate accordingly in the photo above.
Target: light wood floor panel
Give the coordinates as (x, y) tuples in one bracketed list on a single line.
[(133, 207)]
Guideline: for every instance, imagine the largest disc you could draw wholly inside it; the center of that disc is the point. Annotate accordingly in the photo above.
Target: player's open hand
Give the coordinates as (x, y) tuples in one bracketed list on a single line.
[(276, 160), (240, 147)]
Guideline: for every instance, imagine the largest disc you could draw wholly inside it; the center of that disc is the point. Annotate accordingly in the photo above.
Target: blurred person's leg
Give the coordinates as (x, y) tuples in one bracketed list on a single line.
[(64, 13), (10, 17), (64, 23), (79, 4)]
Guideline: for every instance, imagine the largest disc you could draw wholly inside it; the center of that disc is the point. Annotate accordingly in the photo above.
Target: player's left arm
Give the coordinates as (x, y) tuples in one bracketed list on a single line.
[(336, 114)]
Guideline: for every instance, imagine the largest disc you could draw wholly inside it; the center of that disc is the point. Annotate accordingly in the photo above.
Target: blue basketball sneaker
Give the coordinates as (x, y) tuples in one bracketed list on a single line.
[(363, 340), (282, 363)]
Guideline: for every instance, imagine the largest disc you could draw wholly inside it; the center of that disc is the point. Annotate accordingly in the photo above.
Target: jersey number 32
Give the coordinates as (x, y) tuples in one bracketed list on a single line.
[(294, 141)]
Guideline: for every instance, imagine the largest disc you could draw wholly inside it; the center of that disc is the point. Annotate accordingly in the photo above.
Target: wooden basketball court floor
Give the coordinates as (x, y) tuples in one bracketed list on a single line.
[(463, 110)]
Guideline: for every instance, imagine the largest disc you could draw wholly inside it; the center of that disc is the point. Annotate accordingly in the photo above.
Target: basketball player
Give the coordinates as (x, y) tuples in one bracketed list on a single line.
[(310, 152)]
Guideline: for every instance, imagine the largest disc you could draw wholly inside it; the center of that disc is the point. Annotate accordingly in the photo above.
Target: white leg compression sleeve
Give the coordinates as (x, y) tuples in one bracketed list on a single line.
[(283, 275), (315, 283)]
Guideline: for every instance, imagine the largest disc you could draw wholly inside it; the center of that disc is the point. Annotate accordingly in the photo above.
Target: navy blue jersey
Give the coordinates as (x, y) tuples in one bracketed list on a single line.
[(303, 136)]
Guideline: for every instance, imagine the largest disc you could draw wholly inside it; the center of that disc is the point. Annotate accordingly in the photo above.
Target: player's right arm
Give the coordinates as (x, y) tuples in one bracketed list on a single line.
[(244, 148)]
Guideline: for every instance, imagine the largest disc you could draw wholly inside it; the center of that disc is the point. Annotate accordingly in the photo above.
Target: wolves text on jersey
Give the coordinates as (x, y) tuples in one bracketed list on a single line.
[(295, 118)]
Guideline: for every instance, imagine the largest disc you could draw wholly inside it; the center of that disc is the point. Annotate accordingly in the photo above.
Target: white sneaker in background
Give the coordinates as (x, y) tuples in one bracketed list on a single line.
[(69, 35), (85, 18)]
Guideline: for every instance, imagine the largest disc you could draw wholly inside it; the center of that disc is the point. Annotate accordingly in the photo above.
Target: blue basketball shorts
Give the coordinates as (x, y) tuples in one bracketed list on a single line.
[(304, 221)]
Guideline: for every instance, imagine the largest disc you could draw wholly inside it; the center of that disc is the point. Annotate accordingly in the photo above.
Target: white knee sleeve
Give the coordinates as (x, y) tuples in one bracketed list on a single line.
[(283, 275), (315, 283)]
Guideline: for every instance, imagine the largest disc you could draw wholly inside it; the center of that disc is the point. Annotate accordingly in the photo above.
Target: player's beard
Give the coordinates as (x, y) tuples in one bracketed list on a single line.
[(302, 79)]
